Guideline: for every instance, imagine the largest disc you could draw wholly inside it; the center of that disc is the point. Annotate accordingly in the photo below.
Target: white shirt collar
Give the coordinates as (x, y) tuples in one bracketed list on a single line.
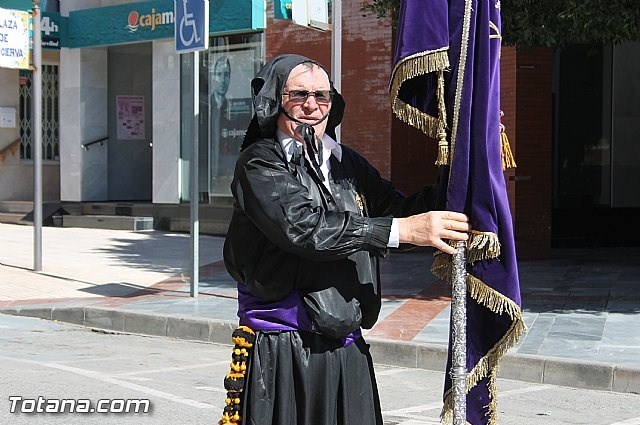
[(329, 146)]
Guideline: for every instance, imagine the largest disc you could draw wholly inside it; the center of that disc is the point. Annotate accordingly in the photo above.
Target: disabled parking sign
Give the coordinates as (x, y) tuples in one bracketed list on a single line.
[(191, 25)]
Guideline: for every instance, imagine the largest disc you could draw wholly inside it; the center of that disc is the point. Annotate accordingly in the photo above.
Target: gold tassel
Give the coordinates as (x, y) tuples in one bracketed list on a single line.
[(443, 152), (508, 161), (443, 144)]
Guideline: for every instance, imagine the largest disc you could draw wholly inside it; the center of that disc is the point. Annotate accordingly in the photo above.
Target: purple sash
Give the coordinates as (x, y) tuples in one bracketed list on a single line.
[(287, 314)]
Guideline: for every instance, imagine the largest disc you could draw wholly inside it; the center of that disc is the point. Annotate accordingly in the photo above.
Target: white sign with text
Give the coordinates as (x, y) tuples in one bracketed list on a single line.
[(15, 39)]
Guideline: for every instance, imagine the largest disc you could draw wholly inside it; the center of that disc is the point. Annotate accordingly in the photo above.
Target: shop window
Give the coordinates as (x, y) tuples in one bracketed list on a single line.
[(225, 73)]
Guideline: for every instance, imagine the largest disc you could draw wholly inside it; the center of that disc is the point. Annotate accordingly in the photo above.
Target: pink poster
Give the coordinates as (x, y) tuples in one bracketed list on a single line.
[(130, 117)]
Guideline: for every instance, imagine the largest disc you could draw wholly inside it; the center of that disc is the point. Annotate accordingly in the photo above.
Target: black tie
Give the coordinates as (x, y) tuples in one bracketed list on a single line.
[(313, 149)]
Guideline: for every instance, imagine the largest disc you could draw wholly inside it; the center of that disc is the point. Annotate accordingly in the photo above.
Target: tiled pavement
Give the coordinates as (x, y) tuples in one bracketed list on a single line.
[(582, 307)]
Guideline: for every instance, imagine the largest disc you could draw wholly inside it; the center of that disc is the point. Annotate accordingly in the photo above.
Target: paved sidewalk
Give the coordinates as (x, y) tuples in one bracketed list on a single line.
[(582, 307)]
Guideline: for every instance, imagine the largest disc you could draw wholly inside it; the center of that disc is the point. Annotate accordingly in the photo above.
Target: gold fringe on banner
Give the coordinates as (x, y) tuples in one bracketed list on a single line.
[(411, 67), (243, 339), (498, 304), (482, 246), (416, 118), (479, 291), (492, 299), (489, 365)]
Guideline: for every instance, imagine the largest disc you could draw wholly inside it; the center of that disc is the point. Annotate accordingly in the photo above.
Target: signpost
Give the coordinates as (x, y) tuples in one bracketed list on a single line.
[(191, 34), (336, 49), (37, 138)]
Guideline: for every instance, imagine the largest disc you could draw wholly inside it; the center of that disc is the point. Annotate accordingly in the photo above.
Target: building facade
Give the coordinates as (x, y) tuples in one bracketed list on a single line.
[(121, 100), (16, 164), (119, 127)]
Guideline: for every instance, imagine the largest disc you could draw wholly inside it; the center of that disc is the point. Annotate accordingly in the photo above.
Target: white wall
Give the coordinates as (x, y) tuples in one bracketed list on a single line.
[(83, 118), (166, 122)]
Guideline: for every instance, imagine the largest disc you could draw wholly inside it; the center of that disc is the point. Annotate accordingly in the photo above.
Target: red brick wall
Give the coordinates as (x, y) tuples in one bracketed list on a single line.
[(366, 65), (534, 154), (508, 106)]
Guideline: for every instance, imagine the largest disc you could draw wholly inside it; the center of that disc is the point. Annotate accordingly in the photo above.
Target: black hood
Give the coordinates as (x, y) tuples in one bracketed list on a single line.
[(266, 93)]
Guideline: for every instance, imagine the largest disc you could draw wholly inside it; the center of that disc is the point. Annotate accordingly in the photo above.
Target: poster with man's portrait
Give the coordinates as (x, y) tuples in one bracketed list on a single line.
[(230, 74)]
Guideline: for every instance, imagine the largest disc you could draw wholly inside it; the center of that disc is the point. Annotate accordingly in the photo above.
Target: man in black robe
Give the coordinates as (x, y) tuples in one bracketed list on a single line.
[(311, 219)]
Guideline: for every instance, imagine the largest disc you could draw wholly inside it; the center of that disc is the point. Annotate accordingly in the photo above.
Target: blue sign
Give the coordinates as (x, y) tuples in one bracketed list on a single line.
[(54, 30), (154, 20), (191, 25)]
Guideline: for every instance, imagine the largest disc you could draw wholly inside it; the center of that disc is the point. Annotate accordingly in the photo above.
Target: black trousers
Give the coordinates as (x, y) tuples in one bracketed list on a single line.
[(299, 378)]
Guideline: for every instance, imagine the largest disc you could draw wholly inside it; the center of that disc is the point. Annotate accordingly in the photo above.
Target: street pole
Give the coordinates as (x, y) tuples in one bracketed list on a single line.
[(459, 334), (336, 48), (37, 138), (195, 192)]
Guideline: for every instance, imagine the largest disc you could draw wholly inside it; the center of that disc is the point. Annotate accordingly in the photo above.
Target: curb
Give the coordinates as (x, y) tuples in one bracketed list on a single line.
[(119, 320), (519, 367)]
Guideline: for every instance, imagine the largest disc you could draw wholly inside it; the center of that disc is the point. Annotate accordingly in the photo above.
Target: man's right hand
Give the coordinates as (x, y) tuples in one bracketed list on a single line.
[(432, 228)]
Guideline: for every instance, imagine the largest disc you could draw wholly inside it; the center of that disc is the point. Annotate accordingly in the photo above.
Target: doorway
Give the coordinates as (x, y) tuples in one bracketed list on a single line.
[(130, 147), (597, 154)]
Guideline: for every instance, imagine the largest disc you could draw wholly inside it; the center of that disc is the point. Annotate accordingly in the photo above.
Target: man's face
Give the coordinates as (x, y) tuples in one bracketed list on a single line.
[(221, 77), (308, 110)]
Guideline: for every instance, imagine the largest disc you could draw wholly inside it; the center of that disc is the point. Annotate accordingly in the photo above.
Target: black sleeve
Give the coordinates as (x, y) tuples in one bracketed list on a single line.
[(382, 198), (282, 209)]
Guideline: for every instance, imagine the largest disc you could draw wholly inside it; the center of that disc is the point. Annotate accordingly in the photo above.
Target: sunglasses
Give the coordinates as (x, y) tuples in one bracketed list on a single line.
[(301, 96)]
